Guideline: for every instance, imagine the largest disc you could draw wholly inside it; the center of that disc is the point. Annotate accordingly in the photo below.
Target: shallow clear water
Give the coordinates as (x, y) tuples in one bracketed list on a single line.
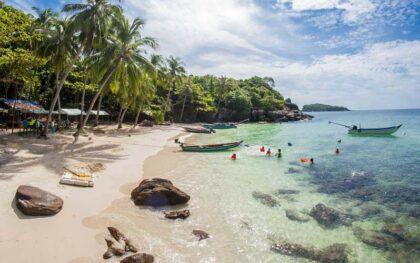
[(389, 185)]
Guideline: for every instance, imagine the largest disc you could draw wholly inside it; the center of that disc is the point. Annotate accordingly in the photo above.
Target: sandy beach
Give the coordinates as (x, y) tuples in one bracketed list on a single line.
[(73, 234)]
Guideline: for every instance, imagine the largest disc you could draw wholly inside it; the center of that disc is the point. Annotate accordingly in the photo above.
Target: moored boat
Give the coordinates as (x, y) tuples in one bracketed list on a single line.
[(374, 131), (219, 125), (209, 147), (198, 129), (369, 131)]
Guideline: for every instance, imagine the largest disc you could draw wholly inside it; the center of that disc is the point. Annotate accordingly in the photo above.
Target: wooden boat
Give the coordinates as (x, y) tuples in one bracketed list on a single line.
[(198, 129), (369, 131), (219, 125), (209, 147)]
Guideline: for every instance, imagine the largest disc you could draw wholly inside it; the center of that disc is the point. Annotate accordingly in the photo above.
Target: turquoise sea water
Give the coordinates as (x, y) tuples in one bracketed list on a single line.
[(373, 183)]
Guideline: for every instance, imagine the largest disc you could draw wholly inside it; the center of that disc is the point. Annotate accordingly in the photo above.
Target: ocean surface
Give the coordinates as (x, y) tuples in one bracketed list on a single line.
[(373, 184)]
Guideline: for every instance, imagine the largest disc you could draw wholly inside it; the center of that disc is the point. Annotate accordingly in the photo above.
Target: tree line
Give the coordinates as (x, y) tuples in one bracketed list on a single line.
[(91, 56)]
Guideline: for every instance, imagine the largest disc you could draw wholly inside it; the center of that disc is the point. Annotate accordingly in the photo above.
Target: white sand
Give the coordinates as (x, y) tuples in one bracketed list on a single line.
[(65, 237)]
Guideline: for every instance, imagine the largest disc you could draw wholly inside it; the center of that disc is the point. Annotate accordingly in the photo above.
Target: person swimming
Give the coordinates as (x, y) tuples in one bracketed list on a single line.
[(262, 149), (339, 141), (337, 151), (233, 157), (312, 161), (289, 144), (279, 154), (268, 152)]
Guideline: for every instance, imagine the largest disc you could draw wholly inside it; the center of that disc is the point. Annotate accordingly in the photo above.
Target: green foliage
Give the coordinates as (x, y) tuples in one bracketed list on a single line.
[(323, 107), (238, 100), (158, 116), (17, 61)]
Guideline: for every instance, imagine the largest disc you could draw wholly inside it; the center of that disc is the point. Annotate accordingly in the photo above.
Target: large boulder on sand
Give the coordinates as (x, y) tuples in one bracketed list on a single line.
[(37, 202), (325, 215), (158, 192)]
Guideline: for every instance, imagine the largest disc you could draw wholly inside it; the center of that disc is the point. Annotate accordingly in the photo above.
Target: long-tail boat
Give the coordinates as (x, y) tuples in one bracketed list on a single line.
[(209, 147), (219, 125), (198, 129), (369, 131)]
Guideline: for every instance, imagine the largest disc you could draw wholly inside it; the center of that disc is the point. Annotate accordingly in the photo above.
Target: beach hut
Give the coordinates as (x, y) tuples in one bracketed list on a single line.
[(102, 114)]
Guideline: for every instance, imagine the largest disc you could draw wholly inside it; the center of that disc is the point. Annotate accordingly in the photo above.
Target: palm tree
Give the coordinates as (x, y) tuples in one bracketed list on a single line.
[(176, 71), (94, 21), (60, 47), (45, 18), (122, 60), (186, 92)]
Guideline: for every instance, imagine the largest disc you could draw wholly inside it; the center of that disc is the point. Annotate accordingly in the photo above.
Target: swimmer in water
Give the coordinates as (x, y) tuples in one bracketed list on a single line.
[(279, 154), (337, 151), (233, 157), (269, 152)]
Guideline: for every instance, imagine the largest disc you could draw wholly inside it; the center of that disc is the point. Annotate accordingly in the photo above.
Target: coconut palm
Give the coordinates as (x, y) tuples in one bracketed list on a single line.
[(176, 72), (93, 20), (60, 47), (122, 61)]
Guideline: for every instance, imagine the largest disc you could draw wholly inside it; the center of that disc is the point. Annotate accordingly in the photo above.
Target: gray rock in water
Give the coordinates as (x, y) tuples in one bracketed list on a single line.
[(179, 214), (335, 253), (296, 216), (200, 234), (397, 231), (37, 202), (287, 191), (158, 192), (265, 199), (374, 238), (325, 215), (138, 258)]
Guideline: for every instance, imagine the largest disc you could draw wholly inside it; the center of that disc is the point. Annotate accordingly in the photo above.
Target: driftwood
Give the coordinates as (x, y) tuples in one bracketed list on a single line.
[(117, 235), (112, 250)]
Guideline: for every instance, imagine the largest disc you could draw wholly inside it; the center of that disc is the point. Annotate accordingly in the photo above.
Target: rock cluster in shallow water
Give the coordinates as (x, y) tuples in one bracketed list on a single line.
[(335, 253), (265, 199), (325, 215)]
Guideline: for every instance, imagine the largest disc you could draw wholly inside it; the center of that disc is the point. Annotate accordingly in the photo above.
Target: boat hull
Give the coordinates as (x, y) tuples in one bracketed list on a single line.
[(220, 126), (210, 148), (375, 131), (198, 130)]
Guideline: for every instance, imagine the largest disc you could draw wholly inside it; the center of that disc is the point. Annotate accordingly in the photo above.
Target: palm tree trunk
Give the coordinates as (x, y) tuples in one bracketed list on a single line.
[(122, 118), (136, 121), (57, 94), (183, 107), (59, 112), (106, 78), (82, 102), (98, 110)]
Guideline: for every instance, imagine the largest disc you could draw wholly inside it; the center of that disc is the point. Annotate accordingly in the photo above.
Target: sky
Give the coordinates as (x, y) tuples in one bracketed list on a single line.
[(362, 54)]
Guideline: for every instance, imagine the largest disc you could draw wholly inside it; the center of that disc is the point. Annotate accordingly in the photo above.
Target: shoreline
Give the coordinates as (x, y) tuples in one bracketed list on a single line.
[(168, 240), (37, 162)]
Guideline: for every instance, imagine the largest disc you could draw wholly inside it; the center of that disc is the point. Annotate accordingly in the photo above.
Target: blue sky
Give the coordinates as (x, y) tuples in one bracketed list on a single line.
[(363, 54)]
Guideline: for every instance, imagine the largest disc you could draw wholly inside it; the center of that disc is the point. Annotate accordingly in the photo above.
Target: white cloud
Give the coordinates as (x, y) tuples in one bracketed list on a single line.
[(383, 75)]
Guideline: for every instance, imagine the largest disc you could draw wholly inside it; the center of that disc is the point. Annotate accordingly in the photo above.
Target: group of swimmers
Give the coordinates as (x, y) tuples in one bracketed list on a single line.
[(303, 160)]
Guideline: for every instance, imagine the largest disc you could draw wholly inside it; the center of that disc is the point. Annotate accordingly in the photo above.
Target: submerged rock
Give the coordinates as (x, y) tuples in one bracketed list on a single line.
[(158, 192), (374, 238), (325, 215), (397, 231), (179, 214), (296, 216), (138, 258), (335, 253), (200, 234), (265, 199), (286, 192), (37, 202)]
